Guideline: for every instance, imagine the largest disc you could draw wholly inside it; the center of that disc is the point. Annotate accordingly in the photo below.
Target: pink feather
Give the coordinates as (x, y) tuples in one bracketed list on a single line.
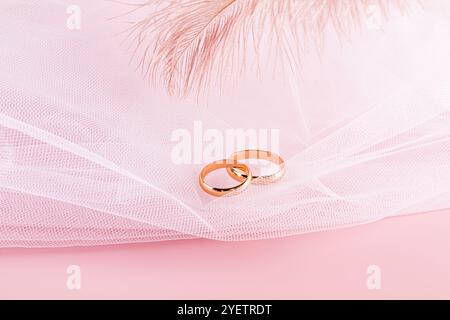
[(184, 43)]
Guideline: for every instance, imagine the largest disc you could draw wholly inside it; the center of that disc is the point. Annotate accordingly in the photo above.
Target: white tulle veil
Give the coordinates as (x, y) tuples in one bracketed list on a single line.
[(86, 139)]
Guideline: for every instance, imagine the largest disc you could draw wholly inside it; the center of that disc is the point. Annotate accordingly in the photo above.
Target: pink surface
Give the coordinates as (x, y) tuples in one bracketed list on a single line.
[(86, 158), (411, 251)]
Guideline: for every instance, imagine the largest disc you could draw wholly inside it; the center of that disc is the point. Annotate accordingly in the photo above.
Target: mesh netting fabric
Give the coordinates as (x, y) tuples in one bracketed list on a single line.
[(86, 142)]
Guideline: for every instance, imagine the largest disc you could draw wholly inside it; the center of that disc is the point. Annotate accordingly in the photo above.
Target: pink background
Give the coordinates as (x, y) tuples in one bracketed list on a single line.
[(411, 251)]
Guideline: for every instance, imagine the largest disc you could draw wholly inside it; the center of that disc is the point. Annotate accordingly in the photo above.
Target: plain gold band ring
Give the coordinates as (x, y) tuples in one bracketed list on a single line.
[(229, 165)]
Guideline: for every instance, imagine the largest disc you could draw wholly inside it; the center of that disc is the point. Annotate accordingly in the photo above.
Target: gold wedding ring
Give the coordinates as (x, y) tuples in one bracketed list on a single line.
[(238, 174), (225, 164), (241, 172)]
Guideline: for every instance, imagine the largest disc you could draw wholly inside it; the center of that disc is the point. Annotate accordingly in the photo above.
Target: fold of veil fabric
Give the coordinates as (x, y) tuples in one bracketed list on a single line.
[(86, 142)]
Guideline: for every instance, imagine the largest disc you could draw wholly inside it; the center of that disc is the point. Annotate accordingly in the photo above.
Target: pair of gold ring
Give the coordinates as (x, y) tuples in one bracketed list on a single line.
[(241, 172)]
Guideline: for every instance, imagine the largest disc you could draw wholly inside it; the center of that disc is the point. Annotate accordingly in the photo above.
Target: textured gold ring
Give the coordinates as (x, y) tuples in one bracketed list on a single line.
[(238, 174)]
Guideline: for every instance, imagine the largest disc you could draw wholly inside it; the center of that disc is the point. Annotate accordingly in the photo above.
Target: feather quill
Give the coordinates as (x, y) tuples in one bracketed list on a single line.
[(184, 43)]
